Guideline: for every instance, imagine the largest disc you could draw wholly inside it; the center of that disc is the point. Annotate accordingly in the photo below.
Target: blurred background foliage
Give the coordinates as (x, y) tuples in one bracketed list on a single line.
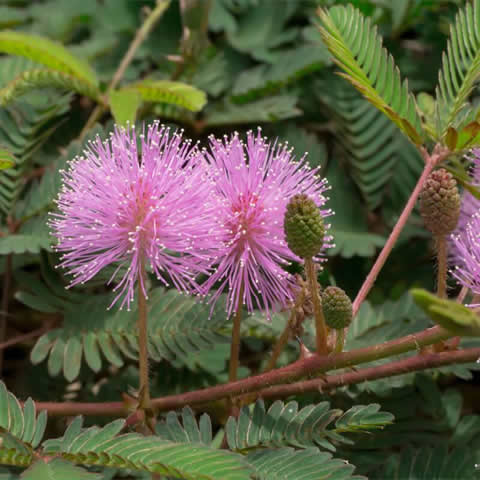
[(261, 63)]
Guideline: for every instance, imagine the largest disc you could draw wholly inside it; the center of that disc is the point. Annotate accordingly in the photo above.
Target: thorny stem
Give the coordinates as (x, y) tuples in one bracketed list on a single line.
[(139, 38), (7, 278), (235, 347), (144, 401), (283, 339), (24, 337), (400, 367), (441, 244), (320, 327), (314, 364), (430, 162), (281, 342)]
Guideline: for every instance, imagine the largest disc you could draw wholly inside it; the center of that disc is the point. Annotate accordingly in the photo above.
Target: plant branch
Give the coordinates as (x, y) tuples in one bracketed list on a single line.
[(139, 38), (24, 337), (415, 363), (320, 327), (430, 162), (143, 342), (7, 278), (281, 342), (441, 244), (235, 347), (310, 365)]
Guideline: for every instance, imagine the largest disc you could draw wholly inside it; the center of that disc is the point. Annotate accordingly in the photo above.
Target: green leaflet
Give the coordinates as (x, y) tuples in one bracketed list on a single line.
[(188, 430), (7, 160), (124, 105), (449, 314), (38, 78), (47, 52), (165, 91), (358, 50), (19, 243), (57, 469), (270, 109)]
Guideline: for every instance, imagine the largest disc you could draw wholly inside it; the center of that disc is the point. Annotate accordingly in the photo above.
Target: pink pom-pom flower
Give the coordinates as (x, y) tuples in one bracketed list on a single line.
[(131, 204), (254, 182)]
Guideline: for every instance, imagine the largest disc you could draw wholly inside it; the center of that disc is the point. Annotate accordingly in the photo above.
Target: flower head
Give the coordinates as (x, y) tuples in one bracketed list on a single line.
[(133, 203), (470, 205), (254, 182), (467, 254)]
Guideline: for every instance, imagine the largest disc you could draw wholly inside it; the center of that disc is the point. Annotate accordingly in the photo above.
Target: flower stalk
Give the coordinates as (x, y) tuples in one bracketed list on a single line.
[(235, 346), (320, 327), (144, 388)]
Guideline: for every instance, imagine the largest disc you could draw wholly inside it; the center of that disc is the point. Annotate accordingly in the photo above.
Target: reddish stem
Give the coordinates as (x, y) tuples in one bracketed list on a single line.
[(430, 162), (313, 364)]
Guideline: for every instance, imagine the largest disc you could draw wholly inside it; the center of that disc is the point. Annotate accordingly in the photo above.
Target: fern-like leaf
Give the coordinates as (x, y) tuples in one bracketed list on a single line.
[(51, 54), (460, 67), (308, 464), (23, 129), (107, 448), (176, 93), (178, 328), (284, 424), (358, 50), (21, 429), (39, 78)]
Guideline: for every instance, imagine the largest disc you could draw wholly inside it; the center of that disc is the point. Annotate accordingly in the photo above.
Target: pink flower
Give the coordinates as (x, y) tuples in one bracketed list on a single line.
[(125, 205), (254, 182), (462, 245)]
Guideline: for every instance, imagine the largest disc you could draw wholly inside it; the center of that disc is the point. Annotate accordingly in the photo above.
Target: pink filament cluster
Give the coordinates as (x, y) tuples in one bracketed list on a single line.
[(159, 203), (465, 241), (254, 182), (124, 206)]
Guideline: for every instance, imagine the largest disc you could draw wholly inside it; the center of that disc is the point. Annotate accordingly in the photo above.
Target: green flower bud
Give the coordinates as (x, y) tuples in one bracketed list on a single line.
[(337, 308), (304, 227), (440, 202)]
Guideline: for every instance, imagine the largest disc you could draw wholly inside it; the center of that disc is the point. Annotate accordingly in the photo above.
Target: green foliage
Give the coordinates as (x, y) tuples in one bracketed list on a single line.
[(284, 424), (357, 49), (38, 78), (124, 105), (178, 327), (23, 243), (188, 430), (7, 160), (57, 470), (132, 451), (48, 53), (266, 80), (263, 63), (23, 129), (270, 109), (288, 464), (460, 71), (349, 226), (21, 429), (176, 93), (451, 315)]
